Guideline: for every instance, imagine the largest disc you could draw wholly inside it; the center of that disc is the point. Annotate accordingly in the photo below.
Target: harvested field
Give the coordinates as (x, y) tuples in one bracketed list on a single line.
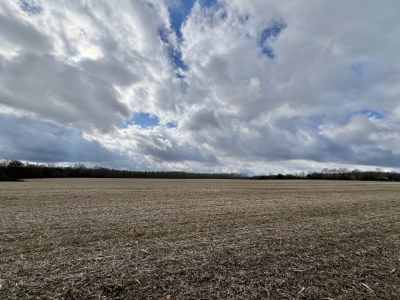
[(199, 239)]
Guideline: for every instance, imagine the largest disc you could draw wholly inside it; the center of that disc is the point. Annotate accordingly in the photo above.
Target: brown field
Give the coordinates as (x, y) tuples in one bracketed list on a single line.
[(199, 239)]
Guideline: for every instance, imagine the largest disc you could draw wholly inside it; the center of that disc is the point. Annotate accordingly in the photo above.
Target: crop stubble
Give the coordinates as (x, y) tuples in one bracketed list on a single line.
[(199, 239)]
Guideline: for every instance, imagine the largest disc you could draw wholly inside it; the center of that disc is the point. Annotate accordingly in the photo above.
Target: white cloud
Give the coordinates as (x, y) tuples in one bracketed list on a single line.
[(244, 103)]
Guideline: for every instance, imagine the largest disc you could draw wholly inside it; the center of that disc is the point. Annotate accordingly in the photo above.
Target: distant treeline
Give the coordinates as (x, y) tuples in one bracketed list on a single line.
[(15, 170), (338, 174), (11, 170)]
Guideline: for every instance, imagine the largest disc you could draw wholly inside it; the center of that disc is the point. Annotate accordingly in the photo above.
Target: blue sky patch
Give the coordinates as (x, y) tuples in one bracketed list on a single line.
[(268, 33), (358, 68), (208, 3), (176, 58), (316, 119), (143, 120), (163, 34), (371, 113), (146, 120), (224, 15), (172, 125), (178, 14), (174, 55), (30, 7), (268, 52), (366, 112)]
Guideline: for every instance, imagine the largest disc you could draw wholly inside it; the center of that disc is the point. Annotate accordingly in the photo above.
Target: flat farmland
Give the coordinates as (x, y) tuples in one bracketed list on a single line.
[(199, 239)]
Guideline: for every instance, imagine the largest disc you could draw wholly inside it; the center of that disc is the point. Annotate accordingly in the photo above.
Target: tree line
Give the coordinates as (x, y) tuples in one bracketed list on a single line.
[(11, 170), (338, 174), (15, 170)]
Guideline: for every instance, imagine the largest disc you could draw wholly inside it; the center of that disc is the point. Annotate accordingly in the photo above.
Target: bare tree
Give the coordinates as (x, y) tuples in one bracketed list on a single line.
[(325, 171)]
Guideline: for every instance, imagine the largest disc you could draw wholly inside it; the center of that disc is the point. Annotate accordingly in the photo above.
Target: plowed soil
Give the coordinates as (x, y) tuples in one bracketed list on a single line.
[(199, 239)]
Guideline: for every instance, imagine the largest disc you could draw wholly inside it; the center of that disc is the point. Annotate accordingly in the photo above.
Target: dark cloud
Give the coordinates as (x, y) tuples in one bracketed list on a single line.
[(23, 34), (25, 139), (110, 71), (203, 119), (180, 153), (54, 90)]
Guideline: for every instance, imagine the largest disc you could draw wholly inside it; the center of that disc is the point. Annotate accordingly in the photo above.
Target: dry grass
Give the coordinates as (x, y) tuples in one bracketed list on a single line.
[(199, 239)]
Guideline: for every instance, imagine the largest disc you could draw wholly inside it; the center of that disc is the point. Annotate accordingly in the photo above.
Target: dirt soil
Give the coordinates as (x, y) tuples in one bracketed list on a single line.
[(199, 239)]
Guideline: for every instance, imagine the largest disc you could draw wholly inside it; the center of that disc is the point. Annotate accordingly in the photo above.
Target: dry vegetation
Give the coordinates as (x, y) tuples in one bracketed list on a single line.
[(199, 239)]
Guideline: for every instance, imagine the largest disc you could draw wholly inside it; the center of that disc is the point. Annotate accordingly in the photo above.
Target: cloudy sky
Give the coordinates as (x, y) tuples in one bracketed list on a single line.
[(253, 86)]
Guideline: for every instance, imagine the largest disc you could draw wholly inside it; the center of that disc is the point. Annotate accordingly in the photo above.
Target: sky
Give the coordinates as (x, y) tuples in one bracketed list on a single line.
[(249, 86)]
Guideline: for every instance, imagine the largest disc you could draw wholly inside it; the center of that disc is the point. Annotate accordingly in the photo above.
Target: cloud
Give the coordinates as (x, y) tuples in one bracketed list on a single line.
[(249, 85), (37, 141), (20, 33), (201, 119), (53, 90)]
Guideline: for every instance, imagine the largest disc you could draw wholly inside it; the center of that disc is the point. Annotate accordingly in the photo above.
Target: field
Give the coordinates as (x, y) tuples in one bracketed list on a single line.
[(199, 239)]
